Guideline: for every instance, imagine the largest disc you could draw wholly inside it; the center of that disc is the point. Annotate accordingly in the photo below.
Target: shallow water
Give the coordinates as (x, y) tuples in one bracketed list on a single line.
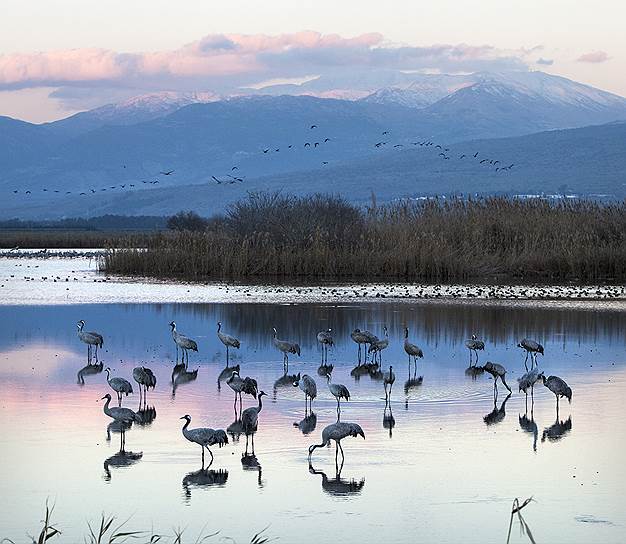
[(444, 467)]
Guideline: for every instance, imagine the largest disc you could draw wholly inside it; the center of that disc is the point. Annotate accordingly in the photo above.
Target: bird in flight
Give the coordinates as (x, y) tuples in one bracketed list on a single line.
[(266, 151), (313, 126), (316, 144), (234, 168), (324, 162), (326, 140), (398, 145), (476, 154), (307, 144), (385, 132), (167, 173), (216, 180)]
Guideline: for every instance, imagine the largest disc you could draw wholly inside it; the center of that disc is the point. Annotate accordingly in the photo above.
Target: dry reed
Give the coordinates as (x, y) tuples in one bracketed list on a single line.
[(275, 236)]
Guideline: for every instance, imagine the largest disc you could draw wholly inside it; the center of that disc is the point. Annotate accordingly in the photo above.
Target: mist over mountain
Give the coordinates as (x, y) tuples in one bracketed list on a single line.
[(307, 143)]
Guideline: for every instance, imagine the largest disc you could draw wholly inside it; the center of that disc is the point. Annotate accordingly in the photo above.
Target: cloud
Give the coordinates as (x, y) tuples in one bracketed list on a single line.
[(545, 62), (224, 62), (594, 57)]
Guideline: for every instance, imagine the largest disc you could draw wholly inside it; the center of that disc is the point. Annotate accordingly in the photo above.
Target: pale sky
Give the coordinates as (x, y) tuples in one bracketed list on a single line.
[(93, 51)]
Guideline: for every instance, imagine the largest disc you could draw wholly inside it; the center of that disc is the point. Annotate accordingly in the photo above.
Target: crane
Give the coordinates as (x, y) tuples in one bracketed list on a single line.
[(285, 347), (474, 345), (379, 345), (182, 342), (308, 386), (411, 350), (532, 348), (250, 420), (120, 385), (91, 339), (204, 437), (337, 432), (326, 339), (226, 339)]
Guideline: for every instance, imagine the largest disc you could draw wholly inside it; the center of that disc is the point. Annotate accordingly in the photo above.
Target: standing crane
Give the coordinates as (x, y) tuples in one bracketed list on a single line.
[(388, 380), (338, 391), (532, 348), (91, 339), (250, 420), (241, 385), (204, 437), (362, 337), (145, 378), (497, 371), (308, 386), (379, 345), (125, 415), (474, 345), (337, 432), (558, 387), (185, 344), (226, 339), (411, 350), (528, 380), (326, 339), (285, 347), (120, 385)]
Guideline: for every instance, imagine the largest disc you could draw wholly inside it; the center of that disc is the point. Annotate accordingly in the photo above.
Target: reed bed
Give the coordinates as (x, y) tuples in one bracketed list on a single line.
[(323, 237), (76, 239)]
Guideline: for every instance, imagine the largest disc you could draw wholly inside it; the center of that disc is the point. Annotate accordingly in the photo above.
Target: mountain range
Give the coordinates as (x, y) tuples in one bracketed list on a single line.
[(306, 143)]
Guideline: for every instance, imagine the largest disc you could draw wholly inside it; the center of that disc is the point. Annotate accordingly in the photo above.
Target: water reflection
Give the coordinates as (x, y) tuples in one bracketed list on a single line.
[(528, 424), (182, 377), (474, 371), (250, 462), (285, 381), (389, 422), (146, 414), (338, 486), (203, 477), (497, 415), (123, 458), (226, 373), (557, 430), (308, 423), (88, 370)]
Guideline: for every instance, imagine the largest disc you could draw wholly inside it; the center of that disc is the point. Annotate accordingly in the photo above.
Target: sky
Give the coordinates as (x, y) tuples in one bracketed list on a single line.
[(60, 57)]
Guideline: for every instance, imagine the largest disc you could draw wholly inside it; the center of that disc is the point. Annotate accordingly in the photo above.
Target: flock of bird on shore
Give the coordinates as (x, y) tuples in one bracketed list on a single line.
[(234, 177), (248, 419)]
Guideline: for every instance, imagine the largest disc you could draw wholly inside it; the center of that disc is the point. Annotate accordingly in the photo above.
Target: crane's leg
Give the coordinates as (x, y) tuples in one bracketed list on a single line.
[(202, 448), (525, 360), (176, 351), (226, 355), (336, 454), (246, 445), (235, 405), (390, 388), (240, 402), (343, 457), (211, 454), (505, 384), (252, 443)]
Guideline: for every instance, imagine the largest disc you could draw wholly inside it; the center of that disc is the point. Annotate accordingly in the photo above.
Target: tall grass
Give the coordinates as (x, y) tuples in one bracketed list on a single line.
[(324, 237), (109, 531)]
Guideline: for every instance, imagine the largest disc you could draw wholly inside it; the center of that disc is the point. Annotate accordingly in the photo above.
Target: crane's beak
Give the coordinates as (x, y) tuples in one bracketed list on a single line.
[(103, 398)]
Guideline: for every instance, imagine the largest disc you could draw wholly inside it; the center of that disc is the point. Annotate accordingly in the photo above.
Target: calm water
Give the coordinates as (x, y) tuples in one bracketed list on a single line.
[(444, 466)]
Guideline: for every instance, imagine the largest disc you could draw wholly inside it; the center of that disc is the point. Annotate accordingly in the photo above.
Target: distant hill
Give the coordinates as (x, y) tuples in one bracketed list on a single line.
[(584, 161), (287, 139)]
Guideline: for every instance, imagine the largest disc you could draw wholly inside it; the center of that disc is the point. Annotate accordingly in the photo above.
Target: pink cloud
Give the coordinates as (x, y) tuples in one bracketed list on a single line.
[(228, 61), (594, 57)]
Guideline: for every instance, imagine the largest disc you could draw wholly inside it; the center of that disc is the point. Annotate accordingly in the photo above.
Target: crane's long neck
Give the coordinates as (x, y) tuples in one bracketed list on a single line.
[(260, 404), (406, 335), (219, 327), (187, 422), (315, 446), (108, 375), (106, 405)]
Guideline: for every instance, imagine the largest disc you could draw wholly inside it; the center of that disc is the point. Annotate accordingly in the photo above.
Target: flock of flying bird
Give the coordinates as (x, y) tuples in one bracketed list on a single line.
[(367, 343), (231, 178)]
